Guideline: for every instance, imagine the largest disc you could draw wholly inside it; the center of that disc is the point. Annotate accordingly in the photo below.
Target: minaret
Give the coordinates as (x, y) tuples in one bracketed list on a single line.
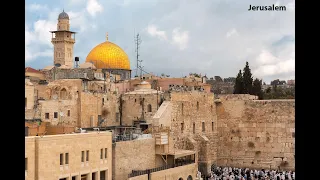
[(63, 41)]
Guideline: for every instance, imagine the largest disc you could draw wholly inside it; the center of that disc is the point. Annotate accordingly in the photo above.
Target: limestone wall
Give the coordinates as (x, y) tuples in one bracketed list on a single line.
[(68, 108), (132, 107), (30, 156), (133, 155), (256, 134), (48, 158), (163, 115), (29, 96), (194, 125)]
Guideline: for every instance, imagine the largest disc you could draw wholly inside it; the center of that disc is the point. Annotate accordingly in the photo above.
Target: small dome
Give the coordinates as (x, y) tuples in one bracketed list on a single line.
[(63, 15)]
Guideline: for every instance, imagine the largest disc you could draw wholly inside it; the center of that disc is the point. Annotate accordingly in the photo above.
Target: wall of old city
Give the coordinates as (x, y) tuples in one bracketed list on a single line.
[(256, 133), (133, 155), (30, 158), (194, 125), (48, 158), (134, 104)]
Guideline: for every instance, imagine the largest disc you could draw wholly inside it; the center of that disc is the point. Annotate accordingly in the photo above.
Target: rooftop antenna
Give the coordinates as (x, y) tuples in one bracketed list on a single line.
[(138, 42)]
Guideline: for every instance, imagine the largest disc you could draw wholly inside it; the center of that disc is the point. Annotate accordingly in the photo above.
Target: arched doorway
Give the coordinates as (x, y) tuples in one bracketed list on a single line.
[(63, 94), (189, 177)]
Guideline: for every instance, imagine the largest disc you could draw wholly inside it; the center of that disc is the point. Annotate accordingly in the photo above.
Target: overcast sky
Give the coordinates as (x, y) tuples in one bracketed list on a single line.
[(212, 37)]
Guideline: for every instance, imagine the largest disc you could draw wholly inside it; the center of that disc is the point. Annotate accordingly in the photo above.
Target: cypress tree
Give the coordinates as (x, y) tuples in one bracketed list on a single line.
[(238, 86), (256, 88), (247, 80)]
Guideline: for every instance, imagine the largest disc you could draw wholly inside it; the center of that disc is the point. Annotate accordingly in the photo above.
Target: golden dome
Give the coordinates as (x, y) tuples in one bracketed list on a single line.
[(108, 55)]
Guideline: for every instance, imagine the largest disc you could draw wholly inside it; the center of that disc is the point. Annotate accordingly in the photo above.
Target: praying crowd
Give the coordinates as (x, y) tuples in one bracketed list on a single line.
[(229, 173)]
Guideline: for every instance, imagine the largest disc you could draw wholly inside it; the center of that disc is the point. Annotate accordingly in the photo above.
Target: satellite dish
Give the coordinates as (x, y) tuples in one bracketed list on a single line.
[(61, 114)]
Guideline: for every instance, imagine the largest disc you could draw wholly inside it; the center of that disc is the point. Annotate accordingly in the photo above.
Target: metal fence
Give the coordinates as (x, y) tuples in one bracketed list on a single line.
[(149, 171)]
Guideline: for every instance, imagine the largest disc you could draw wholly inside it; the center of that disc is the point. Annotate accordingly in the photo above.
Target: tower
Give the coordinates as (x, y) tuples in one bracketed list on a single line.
[(63, 41)]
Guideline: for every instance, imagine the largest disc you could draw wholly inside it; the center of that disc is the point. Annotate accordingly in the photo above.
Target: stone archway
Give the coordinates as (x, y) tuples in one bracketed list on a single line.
[(63, 94)]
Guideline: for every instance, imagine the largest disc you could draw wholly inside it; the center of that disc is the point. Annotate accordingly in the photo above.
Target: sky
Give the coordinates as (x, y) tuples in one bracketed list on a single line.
[(208, 37)]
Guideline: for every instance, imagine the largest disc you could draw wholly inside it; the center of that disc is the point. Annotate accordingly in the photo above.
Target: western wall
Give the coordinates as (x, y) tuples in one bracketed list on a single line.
[(256, 133)]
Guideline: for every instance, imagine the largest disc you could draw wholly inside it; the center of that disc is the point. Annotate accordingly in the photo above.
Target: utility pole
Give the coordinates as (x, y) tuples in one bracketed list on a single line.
[(138, 42)]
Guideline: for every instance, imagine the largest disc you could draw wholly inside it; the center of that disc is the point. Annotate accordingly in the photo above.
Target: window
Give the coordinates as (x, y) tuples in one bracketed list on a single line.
[(101, 153), (212, 126), (55, 115), (25, 102), (194, 128), (82, 156), (182, 127), (211, 108), (149, 108), (87, 156), (182, 108), (47, 115), (26, 164), (61, 159), (105, 153), (135, 100), (117, 117), (203, 127), (67, 158), (197, 106), (102, 100), (69, 113)]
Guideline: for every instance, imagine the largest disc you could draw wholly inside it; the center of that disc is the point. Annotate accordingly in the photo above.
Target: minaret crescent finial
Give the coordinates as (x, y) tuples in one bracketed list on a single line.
[(107, 36)]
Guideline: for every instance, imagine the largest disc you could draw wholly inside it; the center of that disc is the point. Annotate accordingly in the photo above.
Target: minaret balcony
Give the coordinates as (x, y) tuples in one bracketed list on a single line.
[(63, 39)]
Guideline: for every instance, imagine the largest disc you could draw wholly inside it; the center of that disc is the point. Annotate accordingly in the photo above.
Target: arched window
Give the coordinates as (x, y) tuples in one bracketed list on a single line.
[(63, 94), (149, 108), (180, 179), (197, 105), (189, 177)]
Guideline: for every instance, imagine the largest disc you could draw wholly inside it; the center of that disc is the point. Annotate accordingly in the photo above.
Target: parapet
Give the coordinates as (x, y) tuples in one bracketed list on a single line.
[(224, 97)]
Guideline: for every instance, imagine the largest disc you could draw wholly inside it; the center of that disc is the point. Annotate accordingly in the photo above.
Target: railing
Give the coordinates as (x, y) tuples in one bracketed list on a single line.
[(149, 171)]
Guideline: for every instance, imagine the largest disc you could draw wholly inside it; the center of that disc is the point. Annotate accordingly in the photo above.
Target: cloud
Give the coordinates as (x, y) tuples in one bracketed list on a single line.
[(181, 39), (213, 37), (153, 31), (40, 36), (36, 7), (93, 7), (231, 32)]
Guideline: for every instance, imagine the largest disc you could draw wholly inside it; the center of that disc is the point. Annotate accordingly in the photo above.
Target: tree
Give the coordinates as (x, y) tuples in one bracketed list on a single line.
[(238, 86), (256, 88), (247, 79)]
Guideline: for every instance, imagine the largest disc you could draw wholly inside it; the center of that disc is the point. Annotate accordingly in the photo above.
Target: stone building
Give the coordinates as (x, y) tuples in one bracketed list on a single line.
[(79, 156), (75, 102), (140, 105)]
